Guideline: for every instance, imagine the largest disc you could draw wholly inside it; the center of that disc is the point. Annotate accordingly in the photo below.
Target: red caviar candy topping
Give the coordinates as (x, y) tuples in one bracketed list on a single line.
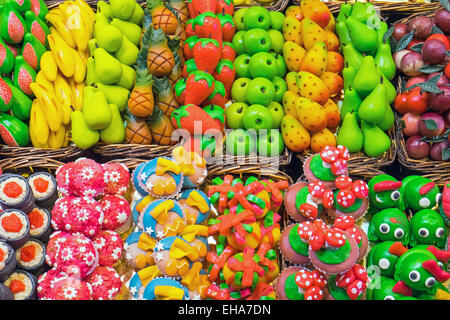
[(12, 189), (12, 223), (17, 286), (40, 184), (28, 253), (36, 219)]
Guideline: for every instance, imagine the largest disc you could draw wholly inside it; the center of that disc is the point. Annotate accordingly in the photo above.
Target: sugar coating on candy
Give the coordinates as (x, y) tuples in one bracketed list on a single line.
[(116, 177), (71, 288), (109, 246), (87, 178), (63, 177), (116, 210), (84, 215), (105, 282), (56, 240), (46, 283), (60, 211), (76, 256)]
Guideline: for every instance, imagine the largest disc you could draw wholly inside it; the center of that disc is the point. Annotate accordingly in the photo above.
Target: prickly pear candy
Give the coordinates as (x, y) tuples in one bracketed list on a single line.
[(317, 11), (311, 33), (12, 25), (292, 30), (316, 59), (312, 87), (332, 41), (333, 114), (312, 115), (335, 62), (289, 103), (321, 139), (295, 136), (291, 82), (333, 81), (293, 55)]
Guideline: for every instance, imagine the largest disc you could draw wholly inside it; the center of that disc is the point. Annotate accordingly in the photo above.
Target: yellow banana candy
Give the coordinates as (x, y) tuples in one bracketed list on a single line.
[(48, 104), (57, 11), (74, 21), (62, 54), (38, 124), (46, 83), (64, 98), (35, 143), (56, 139), (80, 67), (77, 94), (67, 136), (48, 66), (58, 23), (86, 9)]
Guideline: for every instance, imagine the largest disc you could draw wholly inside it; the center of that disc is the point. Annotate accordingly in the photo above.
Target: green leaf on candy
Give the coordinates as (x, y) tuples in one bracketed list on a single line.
[(388, 34), (425, 86), (404, 41), (435, 29), (431, 68), (430, 124), (417, 47), (445, 154)]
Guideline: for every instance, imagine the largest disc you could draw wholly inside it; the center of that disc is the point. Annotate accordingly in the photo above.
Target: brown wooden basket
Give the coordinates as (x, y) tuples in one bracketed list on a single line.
[(29, 164), (363, 166), (398, 7)]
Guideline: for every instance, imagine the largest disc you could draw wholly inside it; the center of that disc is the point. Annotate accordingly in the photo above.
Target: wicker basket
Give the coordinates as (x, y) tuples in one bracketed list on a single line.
[(29, 164), (363, 166), (397, 7)]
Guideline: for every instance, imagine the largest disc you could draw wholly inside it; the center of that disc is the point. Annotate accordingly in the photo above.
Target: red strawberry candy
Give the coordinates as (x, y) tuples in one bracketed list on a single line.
[(217, 97), (228, 51), (188, 47), (225, 73), (207, 25), (308, 210), (314, 293), (228, 26), (207, 54), (189, 67), (343, 182), (304, 279), (345, 198), (202, 6), (199, 86), (190, 28), (334, 238), (360, 189), (225, 7)]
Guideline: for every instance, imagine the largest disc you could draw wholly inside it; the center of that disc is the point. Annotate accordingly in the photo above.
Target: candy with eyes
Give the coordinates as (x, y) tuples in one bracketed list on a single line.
[(380, 260), (161, 177), (192, 165), (138, 248), (420, 193), (389, 225), (165, 289), (417, 271), (381, 289), (428, 227), (196, 206), (163, 218), (384, 192), (173, 256)]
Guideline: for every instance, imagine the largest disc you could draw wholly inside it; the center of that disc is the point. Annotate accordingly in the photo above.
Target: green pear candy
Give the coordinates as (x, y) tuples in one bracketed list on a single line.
[(83, 136), (376, 141), (130, 30), (127, 53), (115, 95), (364, 38), (122, 9), (350, 135), (96, 111), (107, 68), (384, 61), (115, 131), (367, 77), (374, 106)]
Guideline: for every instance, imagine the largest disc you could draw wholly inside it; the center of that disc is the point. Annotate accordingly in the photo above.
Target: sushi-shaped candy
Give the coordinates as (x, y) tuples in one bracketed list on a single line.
[(161, 177), (165, 289), (22, 284), (117, 213), (31, 256), (109, 246), (46, 283), (140, 279), (117, 178), (84, 215), (192, 165), (44, 188), (87, 178), (76, 255), (5, 293), (15, 193), (14, 227), (138, 249), (71, 288), (40, 224), (7, 261), (163, 218), (196, 206), (105, 283)]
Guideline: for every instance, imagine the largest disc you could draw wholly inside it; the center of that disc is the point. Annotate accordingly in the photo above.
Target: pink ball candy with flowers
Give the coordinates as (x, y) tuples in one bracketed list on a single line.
[(109, 246), (116, 177), (71, 288), (105, 283), (116, 210)]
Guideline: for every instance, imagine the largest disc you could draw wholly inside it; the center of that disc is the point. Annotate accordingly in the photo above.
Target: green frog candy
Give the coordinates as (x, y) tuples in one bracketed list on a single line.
[(389, 225), (381, 261), (428, 227), (384, 192), (418, 273), (419, 193), (381, 289)]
